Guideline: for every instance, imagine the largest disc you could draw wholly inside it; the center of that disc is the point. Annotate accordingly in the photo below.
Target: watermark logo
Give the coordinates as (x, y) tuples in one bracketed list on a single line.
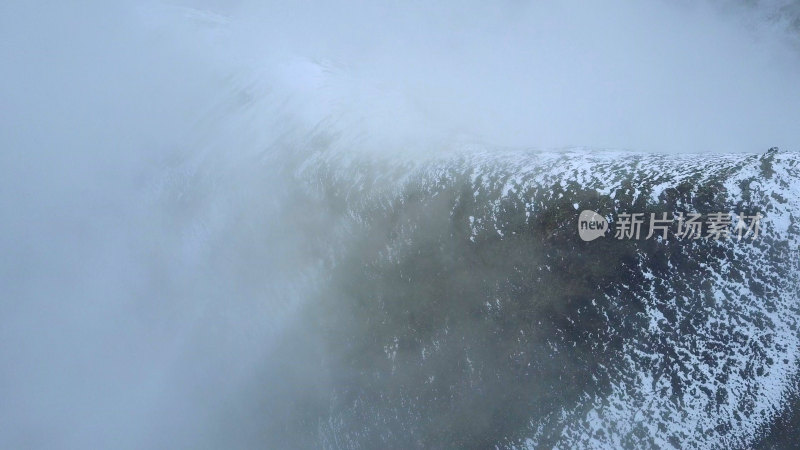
[(631, 226), (591, 225)]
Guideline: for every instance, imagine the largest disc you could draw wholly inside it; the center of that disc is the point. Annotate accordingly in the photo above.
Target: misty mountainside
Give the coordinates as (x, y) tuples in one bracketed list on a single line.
[(356, 225), (458, 306)]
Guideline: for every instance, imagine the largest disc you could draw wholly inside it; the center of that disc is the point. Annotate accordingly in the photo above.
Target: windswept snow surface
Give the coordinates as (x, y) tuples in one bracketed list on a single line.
[(709, 357)]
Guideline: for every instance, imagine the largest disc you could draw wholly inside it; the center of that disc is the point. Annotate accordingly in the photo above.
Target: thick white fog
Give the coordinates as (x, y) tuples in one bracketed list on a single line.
[(146, 273)]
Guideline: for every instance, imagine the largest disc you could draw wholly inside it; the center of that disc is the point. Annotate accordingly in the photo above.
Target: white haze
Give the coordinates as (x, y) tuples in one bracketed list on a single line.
[(129, 318)]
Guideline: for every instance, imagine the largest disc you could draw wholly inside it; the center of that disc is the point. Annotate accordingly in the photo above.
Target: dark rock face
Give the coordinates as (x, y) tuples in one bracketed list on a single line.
[(461, 308)]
